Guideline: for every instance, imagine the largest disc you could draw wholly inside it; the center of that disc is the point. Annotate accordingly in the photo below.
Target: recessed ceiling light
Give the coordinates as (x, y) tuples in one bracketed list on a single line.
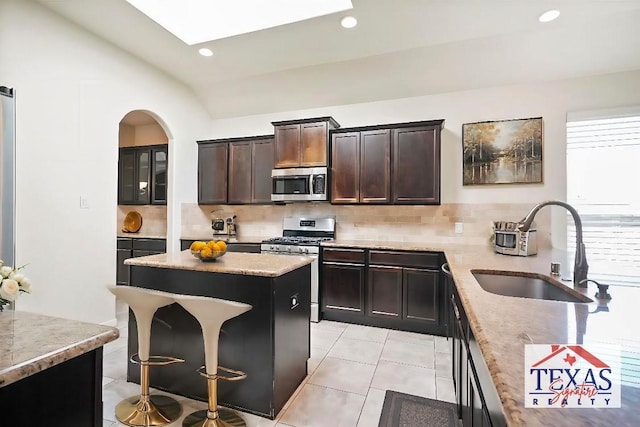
[(549, 15), (205, 52), (349, 22), (199, 21)]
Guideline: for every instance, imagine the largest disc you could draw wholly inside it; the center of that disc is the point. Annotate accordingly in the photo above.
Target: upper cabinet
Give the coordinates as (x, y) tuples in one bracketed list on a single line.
[(386, 164), (235, 170), (142, 175), (302, 143)]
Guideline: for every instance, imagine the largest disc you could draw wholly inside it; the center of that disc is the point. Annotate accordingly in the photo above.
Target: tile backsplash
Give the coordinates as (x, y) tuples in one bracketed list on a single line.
[(391, 223), (154, 219)]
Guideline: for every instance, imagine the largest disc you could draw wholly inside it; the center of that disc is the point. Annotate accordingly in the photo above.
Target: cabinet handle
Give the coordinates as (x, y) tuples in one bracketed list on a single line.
[(445, 269), (348, 264)]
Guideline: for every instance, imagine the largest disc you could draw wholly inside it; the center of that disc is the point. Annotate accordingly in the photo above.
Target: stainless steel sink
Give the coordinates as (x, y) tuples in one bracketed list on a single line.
[(525, 285)]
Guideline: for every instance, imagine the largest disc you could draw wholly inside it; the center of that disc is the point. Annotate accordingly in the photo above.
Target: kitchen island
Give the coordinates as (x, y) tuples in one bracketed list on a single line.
[(270, 343), (501, 326), (42, 360)]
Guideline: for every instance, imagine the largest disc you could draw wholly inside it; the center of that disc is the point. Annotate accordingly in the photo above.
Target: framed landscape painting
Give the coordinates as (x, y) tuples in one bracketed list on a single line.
[(502, 152)]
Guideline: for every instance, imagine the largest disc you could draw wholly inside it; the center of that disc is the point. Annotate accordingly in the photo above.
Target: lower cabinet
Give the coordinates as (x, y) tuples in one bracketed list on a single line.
[(133, 247), (231, 247), (392, 289), (477, 400)]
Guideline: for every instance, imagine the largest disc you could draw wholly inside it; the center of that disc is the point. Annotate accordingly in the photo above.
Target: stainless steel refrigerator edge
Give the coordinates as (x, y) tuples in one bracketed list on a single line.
[(7, 175)]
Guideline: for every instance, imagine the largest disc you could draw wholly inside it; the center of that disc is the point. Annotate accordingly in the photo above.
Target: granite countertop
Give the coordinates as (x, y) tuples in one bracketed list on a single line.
[(141, 235), (247, 264), (30, 343), (237, 239), (502, 326)]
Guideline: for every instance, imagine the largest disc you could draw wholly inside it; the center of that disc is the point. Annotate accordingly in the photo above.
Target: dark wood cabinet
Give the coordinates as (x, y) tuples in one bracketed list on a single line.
[(231, 246), (345, 167), (402, 288), (235, 170), (212, 173), (239, 173), (395, 163), (421, 301), (416, 165), (302, 143), (142, 175), (477, 401), (159, 166), (384, 292), (344, 288), (261, 165), (375, 171), (360, 167), (131, 247)]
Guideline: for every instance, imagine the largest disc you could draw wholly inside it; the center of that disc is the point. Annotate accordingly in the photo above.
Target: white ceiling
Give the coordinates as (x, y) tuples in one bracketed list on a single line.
[(400, 48)]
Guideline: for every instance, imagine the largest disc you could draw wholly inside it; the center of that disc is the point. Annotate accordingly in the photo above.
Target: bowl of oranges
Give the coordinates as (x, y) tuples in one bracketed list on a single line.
[(208, 251)]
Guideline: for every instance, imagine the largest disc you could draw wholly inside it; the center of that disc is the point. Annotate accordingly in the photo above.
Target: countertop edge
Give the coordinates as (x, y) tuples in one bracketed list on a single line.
[(30, 367)]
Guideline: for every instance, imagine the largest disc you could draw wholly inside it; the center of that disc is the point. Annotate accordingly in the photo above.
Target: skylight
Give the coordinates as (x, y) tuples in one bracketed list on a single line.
[(197, 21)]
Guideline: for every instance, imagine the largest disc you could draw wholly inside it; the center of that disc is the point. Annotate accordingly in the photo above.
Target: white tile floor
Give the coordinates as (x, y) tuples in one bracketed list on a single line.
[(350, 368)]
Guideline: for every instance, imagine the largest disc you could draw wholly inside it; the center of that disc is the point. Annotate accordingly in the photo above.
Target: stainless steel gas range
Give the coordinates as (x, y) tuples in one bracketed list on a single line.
[(302, 236)]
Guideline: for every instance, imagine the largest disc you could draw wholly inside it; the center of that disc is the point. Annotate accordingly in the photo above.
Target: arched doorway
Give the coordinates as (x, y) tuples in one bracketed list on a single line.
[(143, 144)]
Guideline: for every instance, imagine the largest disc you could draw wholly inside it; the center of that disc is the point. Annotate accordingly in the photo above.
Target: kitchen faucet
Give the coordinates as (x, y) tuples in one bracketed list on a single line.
[(581, 268)]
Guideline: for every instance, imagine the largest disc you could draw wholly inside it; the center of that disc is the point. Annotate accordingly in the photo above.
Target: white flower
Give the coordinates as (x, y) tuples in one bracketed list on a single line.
[(9, 289), (6, 271), (18, 277), (25, 284), (1, 263)]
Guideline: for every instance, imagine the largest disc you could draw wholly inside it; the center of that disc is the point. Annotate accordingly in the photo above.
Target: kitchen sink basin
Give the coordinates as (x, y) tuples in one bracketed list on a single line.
[(525, 285)]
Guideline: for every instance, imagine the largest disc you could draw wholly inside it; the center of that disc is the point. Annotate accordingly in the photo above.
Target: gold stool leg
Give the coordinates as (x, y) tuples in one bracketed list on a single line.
[(214, 416), (146, 410)]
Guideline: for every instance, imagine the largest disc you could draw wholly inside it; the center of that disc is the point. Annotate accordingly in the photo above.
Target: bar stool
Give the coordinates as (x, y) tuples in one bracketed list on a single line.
[(211, 313), (146, 410)]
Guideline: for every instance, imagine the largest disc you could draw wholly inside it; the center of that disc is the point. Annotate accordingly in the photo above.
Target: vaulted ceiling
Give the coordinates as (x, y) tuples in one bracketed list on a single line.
[(400, 48)]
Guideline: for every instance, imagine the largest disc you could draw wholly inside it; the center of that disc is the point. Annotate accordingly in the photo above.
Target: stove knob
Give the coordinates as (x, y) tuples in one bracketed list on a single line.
[(306, 250), (288, 248), (272, 247)]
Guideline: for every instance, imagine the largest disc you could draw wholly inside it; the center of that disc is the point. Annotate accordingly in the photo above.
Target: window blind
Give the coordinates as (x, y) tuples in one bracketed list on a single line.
[(603, 184)]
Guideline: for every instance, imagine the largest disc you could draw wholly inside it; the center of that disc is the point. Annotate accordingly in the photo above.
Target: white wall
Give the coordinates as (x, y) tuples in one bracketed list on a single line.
[(551, 100), (72, 91)]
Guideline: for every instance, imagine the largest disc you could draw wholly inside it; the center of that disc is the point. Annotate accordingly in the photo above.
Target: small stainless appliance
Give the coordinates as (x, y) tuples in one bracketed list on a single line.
[(302, 236), (224, 225), (511, 241), (299, 184)]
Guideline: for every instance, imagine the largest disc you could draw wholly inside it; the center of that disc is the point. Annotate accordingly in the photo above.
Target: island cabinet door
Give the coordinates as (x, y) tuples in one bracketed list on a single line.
[(343, 288), (421, 295), (384, 292)]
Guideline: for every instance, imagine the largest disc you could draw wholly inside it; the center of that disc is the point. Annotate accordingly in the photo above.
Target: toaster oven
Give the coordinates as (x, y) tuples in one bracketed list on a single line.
[(508, 240)]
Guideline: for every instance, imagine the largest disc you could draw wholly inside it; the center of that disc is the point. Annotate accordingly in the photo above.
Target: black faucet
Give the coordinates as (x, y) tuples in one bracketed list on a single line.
[(581, 268)]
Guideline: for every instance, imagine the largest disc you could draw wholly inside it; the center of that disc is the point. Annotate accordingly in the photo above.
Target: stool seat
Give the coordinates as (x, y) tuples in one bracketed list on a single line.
[(211, 313), (145, 409)]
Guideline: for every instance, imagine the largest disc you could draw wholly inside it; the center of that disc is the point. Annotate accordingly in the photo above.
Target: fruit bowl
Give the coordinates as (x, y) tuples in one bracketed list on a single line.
[(209, 251), (204, 256)]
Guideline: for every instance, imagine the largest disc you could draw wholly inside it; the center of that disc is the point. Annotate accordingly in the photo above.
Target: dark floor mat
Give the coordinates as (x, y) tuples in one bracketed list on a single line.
[(406, 410)]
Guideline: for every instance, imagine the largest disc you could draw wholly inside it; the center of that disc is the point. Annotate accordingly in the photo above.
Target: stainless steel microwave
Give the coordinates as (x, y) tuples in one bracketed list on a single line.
[(508, 240), (299, 184)]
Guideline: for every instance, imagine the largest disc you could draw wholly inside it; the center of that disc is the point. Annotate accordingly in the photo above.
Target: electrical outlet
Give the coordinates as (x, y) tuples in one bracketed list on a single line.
[(84, 202), (459, 228)]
